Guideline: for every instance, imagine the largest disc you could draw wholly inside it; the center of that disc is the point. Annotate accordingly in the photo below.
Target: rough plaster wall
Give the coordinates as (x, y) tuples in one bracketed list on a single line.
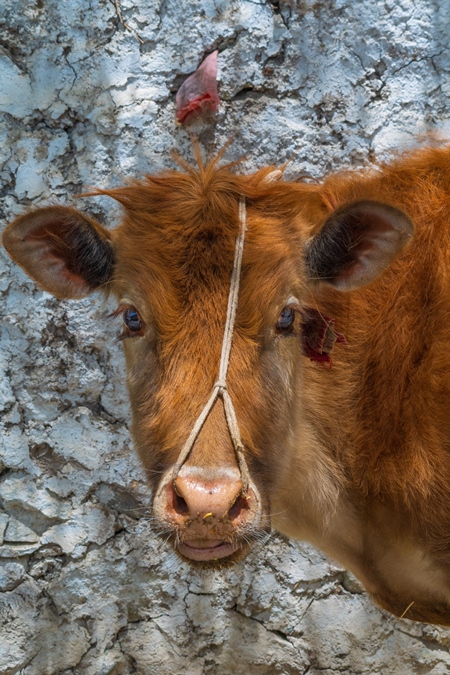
[(85, 587)]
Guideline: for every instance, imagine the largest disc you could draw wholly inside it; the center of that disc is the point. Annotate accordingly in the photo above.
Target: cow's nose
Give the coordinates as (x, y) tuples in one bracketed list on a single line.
[(194, 497)]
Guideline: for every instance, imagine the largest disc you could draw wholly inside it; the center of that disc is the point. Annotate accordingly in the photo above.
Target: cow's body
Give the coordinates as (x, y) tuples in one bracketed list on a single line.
[(356, 458), (383, 411)]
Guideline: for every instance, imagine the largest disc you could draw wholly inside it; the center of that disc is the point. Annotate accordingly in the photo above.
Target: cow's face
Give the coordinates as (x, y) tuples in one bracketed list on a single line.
[(174, 321), (169, 265)]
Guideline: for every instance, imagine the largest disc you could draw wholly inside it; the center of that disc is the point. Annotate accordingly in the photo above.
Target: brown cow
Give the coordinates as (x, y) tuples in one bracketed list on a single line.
[(354, 458)]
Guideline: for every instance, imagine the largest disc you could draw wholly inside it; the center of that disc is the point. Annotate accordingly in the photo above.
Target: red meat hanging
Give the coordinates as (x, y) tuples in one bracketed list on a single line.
[(198, 93)]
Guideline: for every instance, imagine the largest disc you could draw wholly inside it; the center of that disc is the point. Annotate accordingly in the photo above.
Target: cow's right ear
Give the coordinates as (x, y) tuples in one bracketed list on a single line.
[(64, 251)]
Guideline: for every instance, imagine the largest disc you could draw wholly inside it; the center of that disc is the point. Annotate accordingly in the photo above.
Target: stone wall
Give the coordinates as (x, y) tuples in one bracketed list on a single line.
[(88, 99)]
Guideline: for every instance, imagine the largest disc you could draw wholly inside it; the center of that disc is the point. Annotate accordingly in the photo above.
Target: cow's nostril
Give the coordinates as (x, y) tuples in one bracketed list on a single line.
[(179, 504), (239, 506)]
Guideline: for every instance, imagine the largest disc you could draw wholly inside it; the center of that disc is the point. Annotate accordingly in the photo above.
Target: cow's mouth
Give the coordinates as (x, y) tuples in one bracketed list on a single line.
[(203, 550)]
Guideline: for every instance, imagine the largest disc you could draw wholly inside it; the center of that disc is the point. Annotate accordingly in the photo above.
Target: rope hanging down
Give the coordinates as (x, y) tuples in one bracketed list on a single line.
[(220, 387)]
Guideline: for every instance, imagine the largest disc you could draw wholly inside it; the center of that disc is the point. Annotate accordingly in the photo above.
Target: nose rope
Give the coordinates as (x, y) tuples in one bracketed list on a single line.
[(220, 387)]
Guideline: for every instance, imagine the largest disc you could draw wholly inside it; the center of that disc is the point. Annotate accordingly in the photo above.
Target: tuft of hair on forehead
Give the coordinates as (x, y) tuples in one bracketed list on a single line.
[(205, 197), (208, 196)]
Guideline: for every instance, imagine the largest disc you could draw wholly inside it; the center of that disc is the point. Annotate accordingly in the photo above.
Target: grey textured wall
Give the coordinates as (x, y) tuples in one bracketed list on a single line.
[(85, 589)]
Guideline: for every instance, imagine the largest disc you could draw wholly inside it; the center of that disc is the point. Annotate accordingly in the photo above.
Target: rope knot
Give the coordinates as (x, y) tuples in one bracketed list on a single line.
[(221, 386)]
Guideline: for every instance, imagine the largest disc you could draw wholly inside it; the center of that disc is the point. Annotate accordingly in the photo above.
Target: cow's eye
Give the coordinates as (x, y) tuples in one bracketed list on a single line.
[(132, 320), (286, 318)]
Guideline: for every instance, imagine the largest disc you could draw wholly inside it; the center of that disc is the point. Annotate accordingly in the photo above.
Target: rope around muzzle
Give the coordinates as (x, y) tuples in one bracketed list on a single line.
[(220, 388)]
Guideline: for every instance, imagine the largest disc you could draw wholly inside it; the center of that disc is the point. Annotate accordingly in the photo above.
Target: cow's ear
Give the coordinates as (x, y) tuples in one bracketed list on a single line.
[(64, 251), (356, 243)]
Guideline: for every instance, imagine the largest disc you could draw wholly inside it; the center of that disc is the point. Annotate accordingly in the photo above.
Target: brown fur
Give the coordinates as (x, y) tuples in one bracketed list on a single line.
[(381, 416), (356, 458)]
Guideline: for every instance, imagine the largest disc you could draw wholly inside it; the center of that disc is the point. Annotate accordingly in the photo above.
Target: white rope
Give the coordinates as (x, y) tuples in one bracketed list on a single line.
[(220, 387)]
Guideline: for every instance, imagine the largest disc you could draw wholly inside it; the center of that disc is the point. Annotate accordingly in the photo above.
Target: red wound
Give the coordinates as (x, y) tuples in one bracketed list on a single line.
[(319, 336), (198, 93)]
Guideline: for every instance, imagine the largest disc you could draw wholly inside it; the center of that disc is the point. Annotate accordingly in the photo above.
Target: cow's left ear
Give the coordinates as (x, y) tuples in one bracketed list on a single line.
[(62, 249), (356, 243)]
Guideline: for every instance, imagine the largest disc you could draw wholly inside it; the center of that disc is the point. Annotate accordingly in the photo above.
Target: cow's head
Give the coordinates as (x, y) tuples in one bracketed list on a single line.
[(169, 265)]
